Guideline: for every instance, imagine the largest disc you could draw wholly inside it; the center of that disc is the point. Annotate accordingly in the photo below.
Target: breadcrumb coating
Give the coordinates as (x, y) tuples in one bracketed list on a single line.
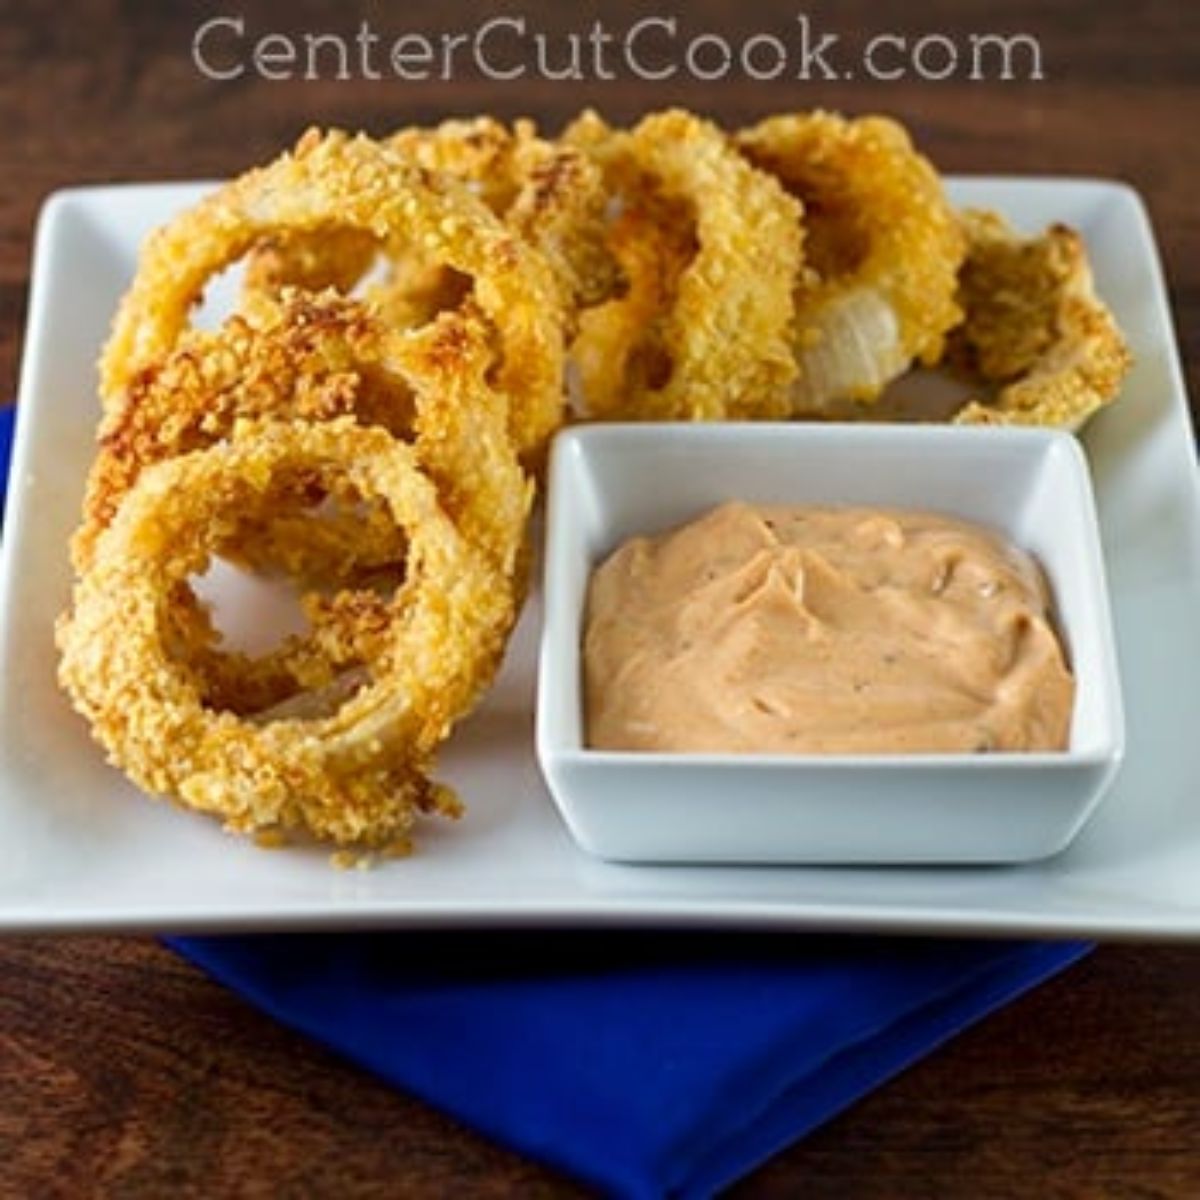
[(711, 249), (548, 193), (882, 247), (356, 777), (336, 182), (315, 358), (1034, 328), (310, 358)]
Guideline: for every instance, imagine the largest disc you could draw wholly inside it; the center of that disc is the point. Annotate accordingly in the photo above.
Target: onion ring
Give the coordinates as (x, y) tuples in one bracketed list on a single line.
[(883, 247), (356, 777), (318, 358), (299, 358), (712, 249), (551, 196), (334, 182), (1034, 327), (313, 358)]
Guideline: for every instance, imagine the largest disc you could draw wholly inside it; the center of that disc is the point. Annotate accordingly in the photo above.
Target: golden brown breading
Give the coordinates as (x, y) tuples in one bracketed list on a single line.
[(336, 258), (882, 249), (357, 776), (1034, 327), (548, 193), (315, 358), (306, 357), (711, 249), (334, 182)]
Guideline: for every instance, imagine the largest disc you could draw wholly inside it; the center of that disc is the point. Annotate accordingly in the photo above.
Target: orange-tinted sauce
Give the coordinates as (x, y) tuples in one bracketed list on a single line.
[(823, 630)]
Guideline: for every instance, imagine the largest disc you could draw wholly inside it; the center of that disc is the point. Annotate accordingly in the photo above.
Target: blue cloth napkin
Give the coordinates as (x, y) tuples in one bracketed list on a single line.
[(647, 1064)]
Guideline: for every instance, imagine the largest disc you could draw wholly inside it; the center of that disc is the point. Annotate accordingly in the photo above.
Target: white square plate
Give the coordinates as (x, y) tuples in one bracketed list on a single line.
[(79, 848)]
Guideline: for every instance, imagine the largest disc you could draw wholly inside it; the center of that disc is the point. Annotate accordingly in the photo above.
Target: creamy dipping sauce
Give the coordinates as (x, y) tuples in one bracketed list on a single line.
[(823, 630)]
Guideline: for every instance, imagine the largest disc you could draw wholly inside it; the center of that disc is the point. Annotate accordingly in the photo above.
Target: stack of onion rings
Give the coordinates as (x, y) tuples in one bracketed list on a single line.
[(379, 466)]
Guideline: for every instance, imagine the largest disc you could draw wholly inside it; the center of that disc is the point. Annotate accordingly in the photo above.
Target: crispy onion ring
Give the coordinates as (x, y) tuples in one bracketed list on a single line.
[(317, 358), (1034, 329), (313, 358), (883, 247), (357, 776), (334, 182), (550, 195), (712, 250), (307, 358)]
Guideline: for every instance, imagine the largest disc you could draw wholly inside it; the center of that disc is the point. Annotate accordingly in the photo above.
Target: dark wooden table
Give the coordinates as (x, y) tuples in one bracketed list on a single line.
[(123, 1071)]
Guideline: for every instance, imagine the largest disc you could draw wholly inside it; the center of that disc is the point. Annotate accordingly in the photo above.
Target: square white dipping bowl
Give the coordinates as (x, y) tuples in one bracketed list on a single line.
[(613, 482)]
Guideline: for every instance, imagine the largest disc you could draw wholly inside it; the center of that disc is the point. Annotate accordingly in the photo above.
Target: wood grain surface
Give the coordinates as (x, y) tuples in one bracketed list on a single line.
[(124, 1072)]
